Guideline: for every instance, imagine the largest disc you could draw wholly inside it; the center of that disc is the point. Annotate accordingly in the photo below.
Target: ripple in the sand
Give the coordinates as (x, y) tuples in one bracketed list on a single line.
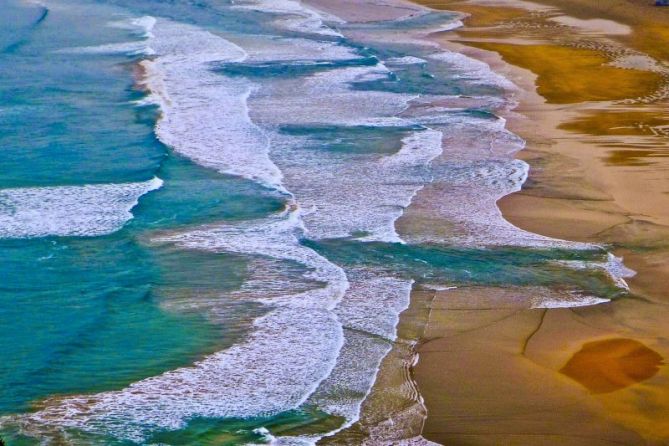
[(612, 364)]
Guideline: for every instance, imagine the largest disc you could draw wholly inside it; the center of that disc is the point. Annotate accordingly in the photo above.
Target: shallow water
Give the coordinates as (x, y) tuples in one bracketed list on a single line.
[(199, 215)]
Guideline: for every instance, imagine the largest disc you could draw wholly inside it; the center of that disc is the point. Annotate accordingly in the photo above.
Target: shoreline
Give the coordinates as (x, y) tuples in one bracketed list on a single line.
[(538, 381), (574, 192)]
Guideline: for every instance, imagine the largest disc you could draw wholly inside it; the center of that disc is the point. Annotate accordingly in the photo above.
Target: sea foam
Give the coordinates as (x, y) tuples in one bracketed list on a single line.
[(204, 114), (89, 210), (288, 352), (346, 194), (294, 16)]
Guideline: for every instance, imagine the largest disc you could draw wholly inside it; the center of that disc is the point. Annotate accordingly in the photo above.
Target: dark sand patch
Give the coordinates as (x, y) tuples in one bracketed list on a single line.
[(612, 364)]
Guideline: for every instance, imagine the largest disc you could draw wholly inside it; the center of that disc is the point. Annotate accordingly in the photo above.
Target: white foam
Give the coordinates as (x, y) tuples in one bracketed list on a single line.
[(328, 98), (418, 149), (467, 199), (438, 287), (638, 62), (474, 71), (345, 389), (414, 29), (574, 302), (289, 351), (294, 16), (204, 114), (276, 237), (594, 26), (613, 266), (128, 48), (144, 24), (476, 169), (449, 26), (275, 48), (370, 313), (347, 195), (89, 210), (405, 60), (265, 434)]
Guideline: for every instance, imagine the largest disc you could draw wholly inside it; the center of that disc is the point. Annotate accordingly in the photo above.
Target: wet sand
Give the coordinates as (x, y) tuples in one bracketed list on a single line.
[(593, 111)]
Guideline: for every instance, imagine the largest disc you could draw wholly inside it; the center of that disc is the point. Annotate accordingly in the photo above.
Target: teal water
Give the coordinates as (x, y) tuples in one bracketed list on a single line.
[(83, 314), (268, 286)]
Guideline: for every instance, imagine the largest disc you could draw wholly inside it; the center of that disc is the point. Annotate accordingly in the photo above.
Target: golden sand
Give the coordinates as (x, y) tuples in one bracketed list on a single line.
[(652, 38), (567, 75), (650, 24)]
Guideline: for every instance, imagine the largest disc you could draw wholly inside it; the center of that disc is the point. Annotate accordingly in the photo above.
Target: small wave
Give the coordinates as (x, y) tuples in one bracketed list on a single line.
[(613, 266), (275, 48), (42, 17), (127, 48), (294, 16), (475, 170), (288, 353), (405, 60), (369, 313), (343, 195), (133, 48), (576, 301), (328, 97), (361, 197), (204, 114), (475, 71), (89, 210)]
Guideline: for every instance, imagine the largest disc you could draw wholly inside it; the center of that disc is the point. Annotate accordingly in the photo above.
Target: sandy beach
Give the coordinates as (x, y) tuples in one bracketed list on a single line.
[(592, 108)]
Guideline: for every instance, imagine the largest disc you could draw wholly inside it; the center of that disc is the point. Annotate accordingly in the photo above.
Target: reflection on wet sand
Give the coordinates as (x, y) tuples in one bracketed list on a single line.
[(627, 121)]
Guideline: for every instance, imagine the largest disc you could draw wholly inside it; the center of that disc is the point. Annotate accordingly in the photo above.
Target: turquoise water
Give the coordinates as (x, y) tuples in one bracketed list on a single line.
[(265, 278), (83, 314)]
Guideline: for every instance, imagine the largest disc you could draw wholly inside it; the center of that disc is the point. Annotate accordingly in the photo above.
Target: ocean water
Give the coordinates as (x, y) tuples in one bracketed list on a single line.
[(200, 206)]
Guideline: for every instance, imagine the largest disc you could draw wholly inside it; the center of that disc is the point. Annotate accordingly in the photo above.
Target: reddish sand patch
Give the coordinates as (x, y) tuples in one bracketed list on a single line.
[(612, 364)]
